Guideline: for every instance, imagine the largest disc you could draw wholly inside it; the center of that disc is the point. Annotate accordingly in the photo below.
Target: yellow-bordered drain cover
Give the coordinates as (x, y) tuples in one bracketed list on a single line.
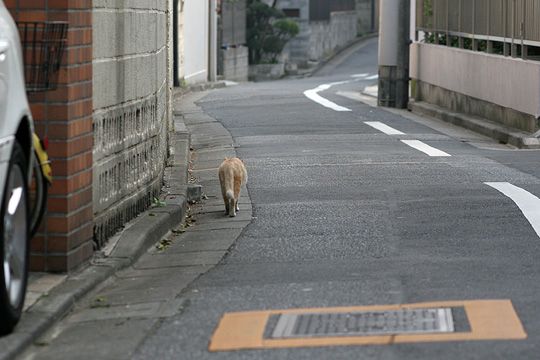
[(369, 325)]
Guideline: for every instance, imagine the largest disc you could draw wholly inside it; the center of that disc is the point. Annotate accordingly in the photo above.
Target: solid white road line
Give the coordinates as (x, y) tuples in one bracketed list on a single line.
[(383, 128), (526, 202), (313, 95), (425, 148), (372, 77)]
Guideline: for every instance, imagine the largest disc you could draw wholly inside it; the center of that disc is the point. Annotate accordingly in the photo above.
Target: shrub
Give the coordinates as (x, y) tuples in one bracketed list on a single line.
[(268, 31)]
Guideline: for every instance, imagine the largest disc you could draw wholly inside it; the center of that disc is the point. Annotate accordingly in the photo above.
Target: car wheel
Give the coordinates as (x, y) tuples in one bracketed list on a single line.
[(37, 197), (14, 240)]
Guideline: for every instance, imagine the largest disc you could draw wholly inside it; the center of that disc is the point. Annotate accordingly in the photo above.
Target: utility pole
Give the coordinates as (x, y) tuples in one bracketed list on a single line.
[(394, 41)]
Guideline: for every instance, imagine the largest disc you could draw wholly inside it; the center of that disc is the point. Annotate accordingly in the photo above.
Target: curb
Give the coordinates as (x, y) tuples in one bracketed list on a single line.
[(181, 91), (503, 134), (141, 233)]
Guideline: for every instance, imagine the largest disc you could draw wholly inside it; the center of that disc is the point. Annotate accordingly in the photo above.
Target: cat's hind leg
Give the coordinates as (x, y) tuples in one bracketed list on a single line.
[(226, 201), (232, 208)]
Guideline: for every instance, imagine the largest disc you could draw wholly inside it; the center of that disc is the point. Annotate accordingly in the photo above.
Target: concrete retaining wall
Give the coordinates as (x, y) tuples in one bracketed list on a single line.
[(263, 72), (326, 37), (319, 39), (502, 89), (132, 108)]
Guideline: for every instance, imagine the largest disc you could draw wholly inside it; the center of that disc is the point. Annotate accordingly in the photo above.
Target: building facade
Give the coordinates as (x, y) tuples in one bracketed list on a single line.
[(64, 115), (107, 122)]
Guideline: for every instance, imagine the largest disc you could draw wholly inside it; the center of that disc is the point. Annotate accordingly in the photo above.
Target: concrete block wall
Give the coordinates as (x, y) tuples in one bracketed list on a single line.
[(235, 63), (64, 115), (131, 108)]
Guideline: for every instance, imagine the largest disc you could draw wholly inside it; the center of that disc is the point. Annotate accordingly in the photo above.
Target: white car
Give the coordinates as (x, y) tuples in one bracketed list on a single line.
[(16, 155)]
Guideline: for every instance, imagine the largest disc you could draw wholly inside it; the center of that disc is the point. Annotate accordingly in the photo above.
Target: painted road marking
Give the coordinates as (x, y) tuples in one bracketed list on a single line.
[(360, 76), (528, 203), (313, 94), (425, 148), (487, 320), (383, 128)]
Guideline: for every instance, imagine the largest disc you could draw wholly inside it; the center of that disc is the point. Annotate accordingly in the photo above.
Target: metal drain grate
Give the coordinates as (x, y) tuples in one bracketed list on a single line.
[(392, 322)]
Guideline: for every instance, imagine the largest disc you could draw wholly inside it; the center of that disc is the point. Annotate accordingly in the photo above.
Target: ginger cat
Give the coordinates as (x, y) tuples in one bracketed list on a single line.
[(232, 175)]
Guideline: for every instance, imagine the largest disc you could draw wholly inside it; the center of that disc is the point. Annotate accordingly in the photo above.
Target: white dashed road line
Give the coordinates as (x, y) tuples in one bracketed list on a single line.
[(313, 94), (528, 203), (425, 148), (383, 128), (416, 144)]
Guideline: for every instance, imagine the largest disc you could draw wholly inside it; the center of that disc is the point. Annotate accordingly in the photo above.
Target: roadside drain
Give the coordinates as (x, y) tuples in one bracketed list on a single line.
[(369, 325), (390, 322)]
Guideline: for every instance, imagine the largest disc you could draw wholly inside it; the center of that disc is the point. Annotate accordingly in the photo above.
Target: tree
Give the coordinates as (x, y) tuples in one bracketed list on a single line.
[(268, 31)]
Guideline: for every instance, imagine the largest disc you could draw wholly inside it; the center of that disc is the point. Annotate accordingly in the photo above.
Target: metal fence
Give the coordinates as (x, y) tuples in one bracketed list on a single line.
[(515, 21), (232, 22)]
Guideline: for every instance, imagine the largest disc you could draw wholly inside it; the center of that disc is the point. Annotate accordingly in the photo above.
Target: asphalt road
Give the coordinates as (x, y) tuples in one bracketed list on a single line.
[(347, 215)]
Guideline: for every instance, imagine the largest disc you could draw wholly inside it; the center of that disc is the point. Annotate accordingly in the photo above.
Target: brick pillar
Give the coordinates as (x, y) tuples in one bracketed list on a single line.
[(64, 241)]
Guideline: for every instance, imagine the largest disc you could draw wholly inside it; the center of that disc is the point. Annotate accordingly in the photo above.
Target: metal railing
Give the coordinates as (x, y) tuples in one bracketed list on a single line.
[(507, 21), (232, 22)]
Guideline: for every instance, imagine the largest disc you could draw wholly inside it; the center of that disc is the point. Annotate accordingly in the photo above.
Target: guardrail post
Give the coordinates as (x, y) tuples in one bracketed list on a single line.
[(514, 46), (448, 39), (506, 46), (524, 49), (474, 40), (489, 43), (461, 43)]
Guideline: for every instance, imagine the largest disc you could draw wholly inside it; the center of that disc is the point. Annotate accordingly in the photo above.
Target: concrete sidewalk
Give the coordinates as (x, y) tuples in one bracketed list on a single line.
[(146, 250)]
